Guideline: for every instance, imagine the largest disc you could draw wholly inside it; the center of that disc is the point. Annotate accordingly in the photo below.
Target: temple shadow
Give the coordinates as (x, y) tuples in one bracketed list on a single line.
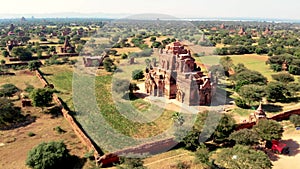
[(134, 96), (272, 108)]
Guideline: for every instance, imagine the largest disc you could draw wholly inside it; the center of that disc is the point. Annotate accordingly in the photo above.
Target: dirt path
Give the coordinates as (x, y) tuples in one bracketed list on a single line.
[(164, 159)]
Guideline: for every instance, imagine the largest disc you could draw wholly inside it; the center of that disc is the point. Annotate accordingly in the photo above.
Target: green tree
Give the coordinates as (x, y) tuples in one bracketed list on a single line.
[(132, 163), (202, 155), (252, 93), (48, 156), (2, 62), (108, 64), (8, 90), (21, 53), (34, 65), (240, 67), (283, 77), (276, 91), (294, 70), (226, 62), (224, 129), (245, 137), (295, 119), (293, 88), (156, 44), (9, 114), (190, 139), (5, 53), (137, 74), (268, 130), (240, 157), (248, 77), (152, 39), (41, 97), (124, 56)]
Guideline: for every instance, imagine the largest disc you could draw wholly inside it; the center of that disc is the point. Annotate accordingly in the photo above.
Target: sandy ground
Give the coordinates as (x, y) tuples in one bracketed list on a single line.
[(15, 144), (292, 160)]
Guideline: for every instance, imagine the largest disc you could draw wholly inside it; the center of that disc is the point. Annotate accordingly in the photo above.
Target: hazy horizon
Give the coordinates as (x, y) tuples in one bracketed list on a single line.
[(273, 9)]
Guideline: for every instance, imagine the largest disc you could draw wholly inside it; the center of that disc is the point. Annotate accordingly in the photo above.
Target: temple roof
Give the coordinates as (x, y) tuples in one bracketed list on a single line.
[(260, 111)]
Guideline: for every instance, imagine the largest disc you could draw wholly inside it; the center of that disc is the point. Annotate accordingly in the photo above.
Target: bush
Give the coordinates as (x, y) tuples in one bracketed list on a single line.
[(241, 103), (124, 56), (137, 74), (31, 134), (275, 67), (294, 70), (283, 77), (8, 90), (295, 119), (59, 130), (29, 88), (108, 64), (48, 156), (182, 165)]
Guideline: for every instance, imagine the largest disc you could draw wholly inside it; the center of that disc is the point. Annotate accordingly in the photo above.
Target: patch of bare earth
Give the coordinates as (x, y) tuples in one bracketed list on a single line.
[(16, 143)]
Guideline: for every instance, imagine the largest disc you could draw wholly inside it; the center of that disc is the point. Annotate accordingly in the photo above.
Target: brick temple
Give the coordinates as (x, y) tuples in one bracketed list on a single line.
[(178, 77)]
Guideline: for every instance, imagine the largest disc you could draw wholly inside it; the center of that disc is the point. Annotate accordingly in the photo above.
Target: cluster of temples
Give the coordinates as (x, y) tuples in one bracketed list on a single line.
[(178, 77)]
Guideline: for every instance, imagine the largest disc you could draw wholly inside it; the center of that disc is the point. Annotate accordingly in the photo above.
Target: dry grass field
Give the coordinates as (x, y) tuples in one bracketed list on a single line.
[(15, 143)]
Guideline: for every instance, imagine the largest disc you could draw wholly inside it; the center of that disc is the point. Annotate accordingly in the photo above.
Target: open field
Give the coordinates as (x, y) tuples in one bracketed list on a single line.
[(15, 143), (61, 77), (127, 50), (21, 79)]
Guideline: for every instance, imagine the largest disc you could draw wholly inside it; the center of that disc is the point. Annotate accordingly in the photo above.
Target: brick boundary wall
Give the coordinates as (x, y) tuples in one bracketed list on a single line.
[(78, 131), (148, 148)]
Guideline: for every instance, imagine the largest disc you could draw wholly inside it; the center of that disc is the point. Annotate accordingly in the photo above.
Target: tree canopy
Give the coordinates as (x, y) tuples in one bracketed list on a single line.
[(34, 65), (48, 156), (243, 157), (8, 90), (276, 91), (245, 137), (41, 97), (249, 77), (137, 74), (252, 93), (268, 130), (9, 114), (21, 53), (283, 77)]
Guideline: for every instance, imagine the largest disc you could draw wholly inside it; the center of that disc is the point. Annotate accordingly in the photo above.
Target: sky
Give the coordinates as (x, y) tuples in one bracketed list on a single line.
[(287, 9)]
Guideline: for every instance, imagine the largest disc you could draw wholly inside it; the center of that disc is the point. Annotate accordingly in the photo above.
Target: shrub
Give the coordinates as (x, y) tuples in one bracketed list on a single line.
[(59, 130), (283, 77), (241, 103), (295, 119), (31, 134), (182, 165), (48, 155)]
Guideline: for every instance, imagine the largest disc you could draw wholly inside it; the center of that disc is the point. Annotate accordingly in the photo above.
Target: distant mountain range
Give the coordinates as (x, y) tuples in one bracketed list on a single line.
[(124, 15), (64, 15)]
